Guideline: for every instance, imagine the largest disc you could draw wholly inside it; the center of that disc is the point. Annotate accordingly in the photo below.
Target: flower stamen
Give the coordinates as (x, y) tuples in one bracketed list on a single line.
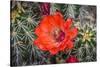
[(58, 35)]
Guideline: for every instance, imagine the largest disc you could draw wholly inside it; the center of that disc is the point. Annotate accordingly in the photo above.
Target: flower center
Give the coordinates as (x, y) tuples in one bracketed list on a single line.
[(58, 35)]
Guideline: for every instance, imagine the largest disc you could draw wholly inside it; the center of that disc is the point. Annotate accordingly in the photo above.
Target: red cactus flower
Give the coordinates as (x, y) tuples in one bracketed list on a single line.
[(54, 34), (45, 8), (72, 59)]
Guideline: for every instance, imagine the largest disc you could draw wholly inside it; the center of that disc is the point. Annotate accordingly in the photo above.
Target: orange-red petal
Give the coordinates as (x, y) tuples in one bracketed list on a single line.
[(63, 45), (72, 33), (70, 44), (54, 51), (47, 41), (58, 18), (68, 23), (40, 46), (45, 24)]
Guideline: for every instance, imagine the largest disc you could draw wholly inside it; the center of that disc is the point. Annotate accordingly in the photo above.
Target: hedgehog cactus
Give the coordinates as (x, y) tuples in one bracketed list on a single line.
[(26, 17)]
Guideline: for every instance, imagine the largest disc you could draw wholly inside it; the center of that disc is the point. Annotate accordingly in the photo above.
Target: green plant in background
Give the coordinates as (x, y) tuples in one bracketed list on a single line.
[(23, 21), (25, 17), (86, 44)]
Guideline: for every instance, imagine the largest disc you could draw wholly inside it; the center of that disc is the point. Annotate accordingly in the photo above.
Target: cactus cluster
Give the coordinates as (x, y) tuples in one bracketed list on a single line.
[(25, 16)]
